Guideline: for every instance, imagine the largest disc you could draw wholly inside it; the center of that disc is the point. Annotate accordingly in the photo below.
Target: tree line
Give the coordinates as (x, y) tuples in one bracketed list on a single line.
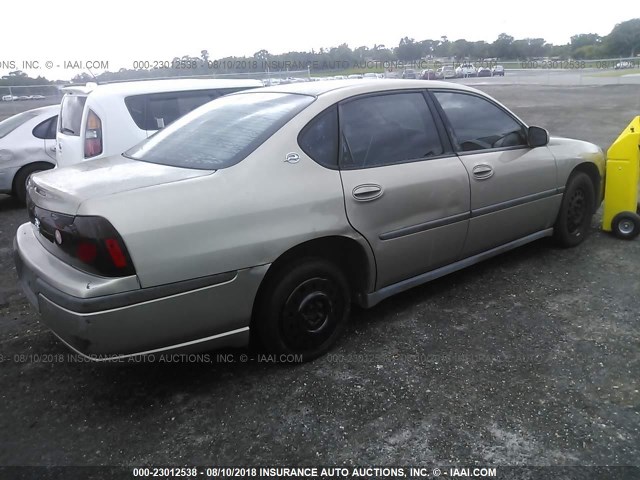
[(622, 41)]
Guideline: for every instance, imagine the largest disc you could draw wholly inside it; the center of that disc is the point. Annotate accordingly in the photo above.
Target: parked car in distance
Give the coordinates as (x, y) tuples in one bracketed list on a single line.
[(340, 77), (445, 72), (7, 98), (260, 214), (498, 70), (623, 65), (97, 121), (409, 73), (354, 76), (466, 70), (27, 146), (484, 72), (428, 74), (370, 75)]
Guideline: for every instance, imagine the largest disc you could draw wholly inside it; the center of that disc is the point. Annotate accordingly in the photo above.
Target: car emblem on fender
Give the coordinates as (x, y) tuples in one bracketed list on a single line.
[(36, 222), (292, 158)]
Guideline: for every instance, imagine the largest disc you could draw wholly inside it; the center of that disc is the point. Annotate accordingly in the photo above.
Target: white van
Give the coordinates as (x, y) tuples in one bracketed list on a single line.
[(97, 121)]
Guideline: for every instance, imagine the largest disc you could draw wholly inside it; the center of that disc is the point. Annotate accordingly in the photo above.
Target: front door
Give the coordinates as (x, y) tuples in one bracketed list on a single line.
[(513, 186)]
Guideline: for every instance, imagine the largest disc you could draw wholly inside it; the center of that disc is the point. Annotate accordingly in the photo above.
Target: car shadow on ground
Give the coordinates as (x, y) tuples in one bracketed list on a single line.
[(9, 203)]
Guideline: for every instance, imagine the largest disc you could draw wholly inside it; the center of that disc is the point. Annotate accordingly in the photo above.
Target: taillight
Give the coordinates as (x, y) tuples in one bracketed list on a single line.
[(93, 136), (88, 243)]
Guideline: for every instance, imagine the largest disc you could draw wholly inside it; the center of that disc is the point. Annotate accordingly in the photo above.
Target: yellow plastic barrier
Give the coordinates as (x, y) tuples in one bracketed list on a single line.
[(621, 188)]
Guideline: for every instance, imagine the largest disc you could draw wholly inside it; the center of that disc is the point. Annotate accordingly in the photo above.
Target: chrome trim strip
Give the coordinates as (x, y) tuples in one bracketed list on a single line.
[(513, 203), (421, 227), (371, 299)]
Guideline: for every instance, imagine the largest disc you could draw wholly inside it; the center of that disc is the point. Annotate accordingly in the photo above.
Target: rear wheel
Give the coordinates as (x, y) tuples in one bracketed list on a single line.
[(303, 308), (22, 177), (626, 225), (576, 211)]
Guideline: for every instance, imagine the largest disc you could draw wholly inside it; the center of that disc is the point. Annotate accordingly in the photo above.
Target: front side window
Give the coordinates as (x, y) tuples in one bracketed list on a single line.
[(479, 124), (220, 133), (386, 129), (71, 114)]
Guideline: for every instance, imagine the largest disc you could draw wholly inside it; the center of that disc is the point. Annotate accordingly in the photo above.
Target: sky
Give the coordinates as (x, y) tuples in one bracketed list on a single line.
[(121, 32)]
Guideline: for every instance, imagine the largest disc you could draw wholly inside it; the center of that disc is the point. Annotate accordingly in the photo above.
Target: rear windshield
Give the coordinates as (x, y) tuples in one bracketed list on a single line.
[(220, 133), (71, 114), (10, 124), (157, 110)]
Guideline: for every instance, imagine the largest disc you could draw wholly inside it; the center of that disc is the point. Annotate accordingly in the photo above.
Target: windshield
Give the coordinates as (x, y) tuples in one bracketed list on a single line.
[(222, 132), (10, 124)]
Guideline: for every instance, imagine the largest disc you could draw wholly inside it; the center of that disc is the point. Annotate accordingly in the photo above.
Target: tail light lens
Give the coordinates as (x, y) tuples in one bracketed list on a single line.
[(89, 243), (93, 136)]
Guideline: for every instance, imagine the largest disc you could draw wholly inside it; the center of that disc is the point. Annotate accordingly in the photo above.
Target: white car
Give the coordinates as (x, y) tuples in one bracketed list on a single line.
[(623, 65), (98, 121), (370, 75), (27, 145), (466, 70)]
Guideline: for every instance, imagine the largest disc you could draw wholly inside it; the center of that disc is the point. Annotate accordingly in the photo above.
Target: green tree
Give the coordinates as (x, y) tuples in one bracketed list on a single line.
[(503, 46), (624, 39)]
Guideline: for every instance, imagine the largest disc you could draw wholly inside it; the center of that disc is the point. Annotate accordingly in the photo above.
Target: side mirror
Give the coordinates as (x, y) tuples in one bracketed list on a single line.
[(537, 137)]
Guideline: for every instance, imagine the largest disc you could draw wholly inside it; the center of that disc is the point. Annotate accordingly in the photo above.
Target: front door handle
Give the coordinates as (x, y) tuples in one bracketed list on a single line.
[(367, 192), (482, 171)]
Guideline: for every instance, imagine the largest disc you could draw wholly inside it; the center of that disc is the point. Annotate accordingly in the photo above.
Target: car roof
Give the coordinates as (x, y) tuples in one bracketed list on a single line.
[(158, 86), (356, 87)]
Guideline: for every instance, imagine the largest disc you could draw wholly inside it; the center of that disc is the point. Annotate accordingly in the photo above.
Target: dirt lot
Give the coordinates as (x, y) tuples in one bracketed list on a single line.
[(531, 358)]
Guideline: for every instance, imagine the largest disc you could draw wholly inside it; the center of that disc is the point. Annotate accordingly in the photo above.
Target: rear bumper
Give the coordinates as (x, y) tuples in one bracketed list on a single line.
[(199, 314)]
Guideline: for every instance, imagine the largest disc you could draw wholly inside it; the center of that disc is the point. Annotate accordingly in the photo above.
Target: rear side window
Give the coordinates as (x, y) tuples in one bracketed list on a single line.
[(386, 129), (479, 124), (71, 114), (319, 139), (157, 110), (10, 124), (47, 129), (221, 133)]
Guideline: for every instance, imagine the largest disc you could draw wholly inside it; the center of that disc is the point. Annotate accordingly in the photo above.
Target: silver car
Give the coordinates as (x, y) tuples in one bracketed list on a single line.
[(269, 212), (27, 146)]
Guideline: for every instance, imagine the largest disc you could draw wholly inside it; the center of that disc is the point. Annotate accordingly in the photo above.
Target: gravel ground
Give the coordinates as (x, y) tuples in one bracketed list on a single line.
[(530, 358)]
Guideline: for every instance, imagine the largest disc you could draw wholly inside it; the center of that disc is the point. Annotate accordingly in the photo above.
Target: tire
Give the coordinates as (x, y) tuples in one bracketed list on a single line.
[(574, 219), (626, 225), (303, 308), (21, 178)]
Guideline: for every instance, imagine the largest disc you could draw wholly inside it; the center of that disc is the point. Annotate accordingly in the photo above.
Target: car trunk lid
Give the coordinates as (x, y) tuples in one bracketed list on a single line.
[(64, 190)]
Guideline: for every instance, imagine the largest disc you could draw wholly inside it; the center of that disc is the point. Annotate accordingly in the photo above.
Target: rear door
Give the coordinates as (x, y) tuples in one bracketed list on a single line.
[(513, 186), (405, 191), (69, 142)]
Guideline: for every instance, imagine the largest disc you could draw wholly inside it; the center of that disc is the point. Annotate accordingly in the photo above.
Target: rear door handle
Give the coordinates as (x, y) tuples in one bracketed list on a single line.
[(367, 192), (482, 171)]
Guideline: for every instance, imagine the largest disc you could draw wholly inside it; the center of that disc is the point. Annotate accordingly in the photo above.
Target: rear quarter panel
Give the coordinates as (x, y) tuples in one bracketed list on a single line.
[(242, 216)]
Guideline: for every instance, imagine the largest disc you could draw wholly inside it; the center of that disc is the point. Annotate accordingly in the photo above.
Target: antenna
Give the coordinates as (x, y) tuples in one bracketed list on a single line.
[(91, 73)]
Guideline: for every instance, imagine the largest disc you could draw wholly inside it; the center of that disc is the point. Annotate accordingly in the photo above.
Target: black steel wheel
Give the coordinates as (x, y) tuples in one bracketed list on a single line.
[(303, 308), (576, 211)]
